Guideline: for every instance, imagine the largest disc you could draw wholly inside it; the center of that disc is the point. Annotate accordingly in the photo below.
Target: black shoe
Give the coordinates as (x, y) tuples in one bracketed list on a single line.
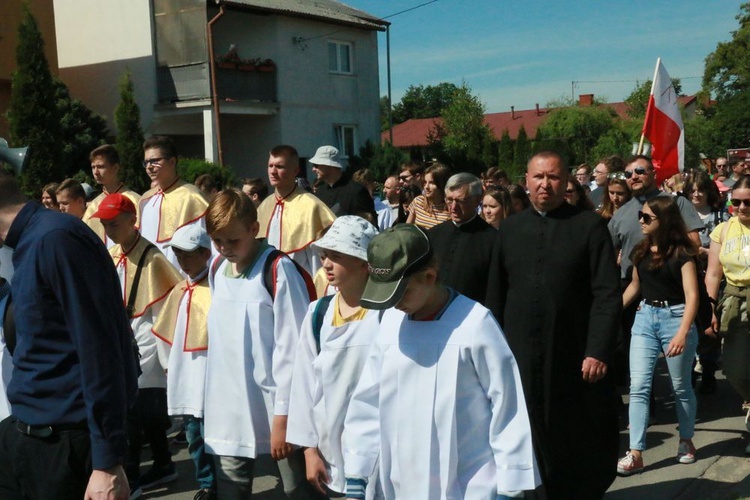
[(205, 494), (158, 475), (180, 438), (708, 385)]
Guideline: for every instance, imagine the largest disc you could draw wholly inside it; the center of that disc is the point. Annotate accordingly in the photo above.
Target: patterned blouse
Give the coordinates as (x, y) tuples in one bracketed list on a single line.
[(427, 216)]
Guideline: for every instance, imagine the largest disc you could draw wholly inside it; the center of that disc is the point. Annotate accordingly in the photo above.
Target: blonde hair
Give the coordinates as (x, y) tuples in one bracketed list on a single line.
[(229, 205)]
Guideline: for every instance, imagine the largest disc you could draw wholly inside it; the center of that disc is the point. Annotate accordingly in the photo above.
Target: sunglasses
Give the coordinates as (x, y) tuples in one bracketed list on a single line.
[(736, 202), (646, 218), (636, 170), (570, 191)]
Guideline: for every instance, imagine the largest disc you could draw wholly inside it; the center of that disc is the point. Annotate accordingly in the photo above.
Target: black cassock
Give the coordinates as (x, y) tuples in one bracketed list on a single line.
[(554, 288), (464, 254)]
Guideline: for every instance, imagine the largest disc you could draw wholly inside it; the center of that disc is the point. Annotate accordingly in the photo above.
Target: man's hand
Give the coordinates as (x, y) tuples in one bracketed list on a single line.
[(593, 370), (316, 470), (110, 484), (280, 449)]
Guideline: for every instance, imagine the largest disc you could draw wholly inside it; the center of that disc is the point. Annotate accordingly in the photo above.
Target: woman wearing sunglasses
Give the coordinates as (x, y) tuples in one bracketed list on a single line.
[(664, 273), (729, 257)]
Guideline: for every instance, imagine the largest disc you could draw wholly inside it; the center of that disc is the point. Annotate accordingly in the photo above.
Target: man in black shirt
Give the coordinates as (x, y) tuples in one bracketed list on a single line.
[(342, 195), (463, 245)]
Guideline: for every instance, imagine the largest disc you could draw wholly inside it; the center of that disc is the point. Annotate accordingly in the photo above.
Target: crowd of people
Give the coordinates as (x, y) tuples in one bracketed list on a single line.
[(430, 343)]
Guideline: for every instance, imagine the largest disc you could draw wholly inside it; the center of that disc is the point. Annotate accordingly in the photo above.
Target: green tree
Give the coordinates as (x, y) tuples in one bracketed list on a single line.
[(82, 131), (505, 151), (130, 137), (521, 153), (727, 71), (32, 114), (637, 101), (190, 169), (463, 134), (382, 159), (727, 77), (423, 102), (579, 128)]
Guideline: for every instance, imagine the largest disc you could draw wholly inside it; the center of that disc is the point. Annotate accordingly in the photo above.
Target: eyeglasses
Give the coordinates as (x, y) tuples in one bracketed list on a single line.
[(404, 178), (646, 218), (154, 161), (458, 201), (736, 202), (636, 170), (570, 191)]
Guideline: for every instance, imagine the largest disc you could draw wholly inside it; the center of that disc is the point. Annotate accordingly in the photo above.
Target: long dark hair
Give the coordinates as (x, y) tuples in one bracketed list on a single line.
[(670, 238), (700, 180), (584, 201)]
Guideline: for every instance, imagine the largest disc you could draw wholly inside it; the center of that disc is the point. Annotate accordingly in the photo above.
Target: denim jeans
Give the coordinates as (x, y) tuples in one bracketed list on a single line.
[(204, 464), (652, 331)]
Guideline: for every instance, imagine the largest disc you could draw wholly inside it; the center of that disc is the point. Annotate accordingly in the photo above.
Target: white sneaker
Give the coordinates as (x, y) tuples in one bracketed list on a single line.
[(686, 452)]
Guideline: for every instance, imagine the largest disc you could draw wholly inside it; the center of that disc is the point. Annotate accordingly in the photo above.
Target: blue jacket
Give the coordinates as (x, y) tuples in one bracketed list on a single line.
[(74, 360)]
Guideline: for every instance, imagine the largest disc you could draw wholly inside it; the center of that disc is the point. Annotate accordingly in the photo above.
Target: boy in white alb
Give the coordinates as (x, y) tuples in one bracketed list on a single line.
[(182, 325), (146, 278), (334, 342), (254, 333), (439, 403)]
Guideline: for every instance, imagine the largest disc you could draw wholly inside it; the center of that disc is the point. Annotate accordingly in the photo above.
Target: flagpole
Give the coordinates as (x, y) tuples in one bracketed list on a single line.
[(653, 81)]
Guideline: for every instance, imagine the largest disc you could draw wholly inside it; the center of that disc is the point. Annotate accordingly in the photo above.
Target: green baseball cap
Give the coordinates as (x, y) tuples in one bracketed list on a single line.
[(393, 256)]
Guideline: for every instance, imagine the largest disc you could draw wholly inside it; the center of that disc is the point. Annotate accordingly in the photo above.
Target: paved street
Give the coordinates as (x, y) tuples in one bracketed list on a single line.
[(721, 472)]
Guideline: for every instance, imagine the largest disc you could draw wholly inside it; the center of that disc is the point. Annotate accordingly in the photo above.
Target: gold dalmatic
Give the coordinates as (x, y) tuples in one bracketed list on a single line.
[(302, 217), (181, 204), (157, 278), (196, 327)]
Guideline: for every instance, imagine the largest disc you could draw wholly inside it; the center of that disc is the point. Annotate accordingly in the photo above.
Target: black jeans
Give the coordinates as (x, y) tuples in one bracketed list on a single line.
[(54, 467), (148, 420)]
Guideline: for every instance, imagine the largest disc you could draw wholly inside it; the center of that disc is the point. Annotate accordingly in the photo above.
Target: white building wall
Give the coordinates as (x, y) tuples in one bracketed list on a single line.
[(97, 41), (311, 99)]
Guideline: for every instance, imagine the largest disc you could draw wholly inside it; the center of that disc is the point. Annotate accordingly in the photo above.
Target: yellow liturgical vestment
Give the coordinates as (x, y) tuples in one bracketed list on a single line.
[(196, 326), (182, 203)]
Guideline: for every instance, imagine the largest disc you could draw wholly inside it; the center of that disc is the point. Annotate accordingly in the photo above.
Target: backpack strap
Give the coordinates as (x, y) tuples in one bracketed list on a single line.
[(318, 314), (215, 267), (270, 271), (137, 280)]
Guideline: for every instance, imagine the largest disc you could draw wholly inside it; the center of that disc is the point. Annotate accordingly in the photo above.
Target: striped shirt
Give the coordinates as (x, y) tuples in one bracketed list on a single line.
[(425, 215)]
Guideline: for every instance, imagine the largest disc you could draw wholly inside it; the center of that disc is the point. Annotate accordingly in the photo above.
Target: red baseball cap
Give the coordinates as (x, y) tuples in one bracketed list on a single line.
[(113, 205)]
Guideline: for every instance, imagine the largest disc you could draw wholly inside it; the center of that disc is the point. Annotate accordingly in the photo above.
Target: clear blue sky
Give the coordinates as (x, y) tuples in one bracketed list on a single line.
[(522, 52)]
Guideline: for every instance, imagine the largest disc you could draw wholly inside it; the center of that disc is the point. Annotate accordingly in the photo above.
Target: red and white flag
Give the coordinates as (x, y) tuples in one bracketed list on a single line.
[(663, 126)]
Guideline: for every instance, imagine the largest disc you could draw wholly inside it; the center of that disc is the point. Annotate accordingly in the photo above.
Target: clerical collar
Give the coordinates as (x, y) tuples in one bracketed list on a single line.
[(459, 224)]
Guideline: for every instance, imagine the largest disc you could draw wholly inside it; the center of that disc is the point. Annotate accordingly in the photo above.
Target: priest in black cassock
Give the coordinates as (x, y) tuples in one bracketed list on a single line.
[(463, 245), (554, 288)]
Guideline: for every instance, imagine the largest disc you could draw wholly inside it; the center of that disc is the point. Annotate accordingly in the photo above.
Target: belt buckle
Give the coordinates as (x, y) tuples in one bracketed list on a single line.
[(29, 430)]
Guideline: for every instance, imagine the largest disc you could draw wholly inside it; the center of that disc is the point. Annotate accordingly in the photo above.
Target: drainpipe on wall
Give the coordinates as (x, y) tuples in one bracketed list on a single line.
[(214, 95)]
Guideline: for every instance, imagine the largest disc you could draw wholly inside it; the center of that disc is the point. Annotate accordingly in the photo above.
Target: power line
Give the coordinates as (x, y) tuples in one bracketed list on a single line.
[(302, 40)]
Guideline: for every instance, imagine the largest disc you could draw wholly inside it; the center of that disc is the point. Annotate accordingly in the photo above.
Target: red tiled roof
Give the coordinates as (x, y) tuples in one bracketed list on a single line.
[(415, 132)]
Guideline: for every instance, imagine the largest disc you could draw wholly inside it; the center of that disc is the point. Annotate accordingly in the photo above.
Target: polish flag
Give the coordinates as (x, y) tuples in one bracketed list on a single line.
[(663, 126)]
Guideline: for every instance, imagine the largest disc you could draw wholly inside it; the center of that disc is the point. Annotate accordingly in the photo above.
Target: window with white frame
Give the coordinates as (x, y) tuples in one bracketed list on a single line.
[(346, 140), (340, 57)]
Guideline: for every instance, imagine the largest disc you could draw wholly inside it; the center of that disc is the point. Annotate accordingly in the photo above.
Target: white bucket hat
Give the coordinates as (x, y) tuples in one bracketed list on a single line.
[(326, 155), (349, 235)]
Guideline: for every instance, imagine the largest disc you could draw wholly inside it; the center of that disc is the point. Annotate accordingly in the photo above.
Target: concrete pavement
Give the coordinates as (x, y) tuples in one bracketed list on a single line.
[(721, 472)]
